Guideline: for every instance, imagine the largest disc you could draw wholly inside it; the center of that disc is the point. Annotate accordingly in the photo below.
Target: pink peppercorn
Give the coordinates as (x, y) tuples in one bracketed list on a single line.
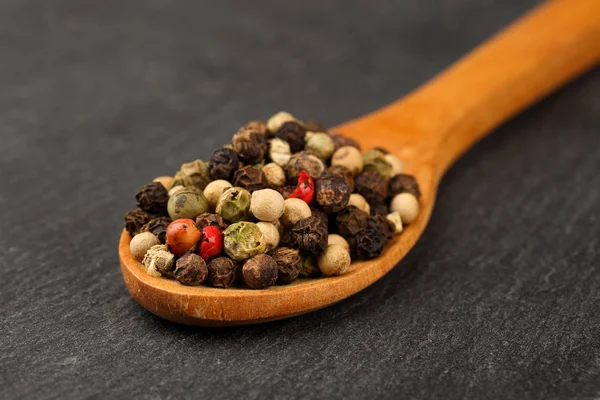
[(211, 243)]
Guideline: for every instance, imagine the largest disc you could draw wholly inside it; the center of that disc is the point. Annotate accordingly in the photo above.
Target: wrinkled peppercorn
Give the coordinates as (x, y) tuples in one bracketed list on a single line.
[(293, 133), (158, 227), (369, 244), (372, 186), (310, 234), (285, 238), (302, 161), (194, 173), (381, 223), (190, 269), (380, 208), (260, 271), (153, 198), (309, 265), (402, 183), (286, 190), (258, 126), (341, 141), (223, 163), (321, 215), (345, 173), (350, 221), (208, 219), (314, 126), (288, 262), (332, 192), (135, 220), (250, 144), (221, 272), (250, 178)]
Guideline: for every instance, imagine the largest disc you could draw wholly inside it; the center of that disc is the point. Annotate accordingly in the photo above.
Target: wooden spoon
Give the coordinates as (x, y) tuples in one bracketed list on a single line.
[(428, 129)]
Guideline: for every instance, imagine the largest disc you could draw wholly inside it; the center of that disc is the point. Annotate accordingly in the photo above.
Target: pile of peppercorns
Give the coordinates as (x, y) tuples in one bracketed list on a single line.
[(286, 199)]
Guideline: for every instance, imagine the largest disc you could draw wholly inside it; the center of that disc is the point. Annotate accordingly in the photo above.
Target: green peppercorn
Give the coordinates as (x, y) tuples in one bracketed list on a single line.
[(243, 240), (189, 202), (321, 145), (375, 160), (194, 173), (234, 204)]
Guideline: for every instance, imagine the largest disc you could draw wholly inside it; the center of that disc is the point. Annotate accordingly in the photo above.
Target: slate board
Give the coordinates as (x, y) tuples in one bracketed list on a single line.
[(500, 298)]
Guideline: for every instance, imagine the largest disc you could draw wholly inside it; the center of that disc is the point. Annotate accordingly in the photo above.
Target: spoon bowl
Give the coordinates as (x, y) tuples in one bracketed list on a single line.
[(428, 130)]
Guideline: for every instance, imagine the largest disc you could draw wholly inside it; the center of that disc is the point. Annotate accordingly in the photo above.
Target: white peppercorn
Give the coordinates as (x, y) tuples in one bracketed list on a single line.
[(280, 151), (295, 210), (359, 202), (275, 175), (140, 244), (275, 122), (335, 260), (348, 157), (166, 181), (407, 206), (334, 238), (397, 166), (158, 260), (270, 233), (396, 220), (267, 205), (214, 190)]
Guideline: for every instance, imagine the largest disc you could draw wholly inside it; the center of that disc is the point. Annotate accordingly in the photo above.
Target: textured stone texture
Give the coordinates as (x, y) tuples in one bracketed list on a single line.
[(499, 299)]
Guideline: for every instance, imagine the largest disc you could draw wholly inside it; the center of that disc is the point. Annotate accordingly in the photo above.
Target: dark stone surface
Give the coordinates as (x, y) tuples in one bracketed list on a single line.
[(499, 299)]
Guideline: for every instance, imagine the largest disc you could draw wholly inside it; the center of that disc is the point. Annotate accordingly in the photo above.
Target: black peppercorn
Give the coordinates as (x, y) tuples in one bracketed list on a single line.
[(403, 183), (314, 126), (341, 141), (286, 190), (380, 208), (250, 178), (309, 234), (135, 219), (381, 223), (302, 161), (221, 272), (321, 215), (223, 163), (250, 144), (369, 244), (158, 227), (309, 265), (372, 186), (260, 271), (288, 262), (350, 221), (293, 133), (208, 219), (190, 269), (332, 192), (344, 172), (153, 198)]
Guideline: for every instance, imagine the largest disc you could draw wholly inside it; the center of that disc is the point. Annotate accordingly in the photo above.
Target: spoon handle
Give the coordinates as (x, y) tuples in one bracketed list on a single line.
[(541, 51)]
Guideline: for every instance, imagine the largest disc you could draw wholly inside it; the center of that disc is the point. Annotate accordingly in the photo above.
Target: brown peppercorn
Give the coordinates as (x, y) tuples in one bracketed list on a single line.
[(332, 192), (309, 234), (372, 186), (381, 223), (209, 219), (158, 227), (402, 183), (135, 219), (221, 272), (250, 178), (380, 209), (341, 141), (286, 190), (350, 221), (302, 161), (190, 269), (259, 126), (288, 262), (223, 163), (293, 133), (344, 172), (309, 266), (369, 244), (153, 198), (260, 271), (250, 144), (314, 126)]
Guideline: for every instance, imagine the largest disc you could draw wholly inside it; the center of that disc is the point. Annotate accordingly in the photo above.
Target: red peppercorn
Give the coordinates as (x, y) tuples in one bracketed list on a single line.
[(182, 235), (212, 242), (305, 189)]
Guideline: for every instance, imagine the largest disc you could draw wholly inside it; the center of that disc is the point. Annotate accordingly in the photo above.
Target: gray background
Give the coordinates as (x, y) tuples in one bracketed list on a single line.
[(499, 299)]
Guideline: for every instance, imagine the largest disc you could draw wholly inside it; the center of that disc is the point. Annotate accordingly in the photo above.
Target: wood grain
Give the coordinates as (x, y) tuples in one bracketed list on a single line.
[(428, 129)]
